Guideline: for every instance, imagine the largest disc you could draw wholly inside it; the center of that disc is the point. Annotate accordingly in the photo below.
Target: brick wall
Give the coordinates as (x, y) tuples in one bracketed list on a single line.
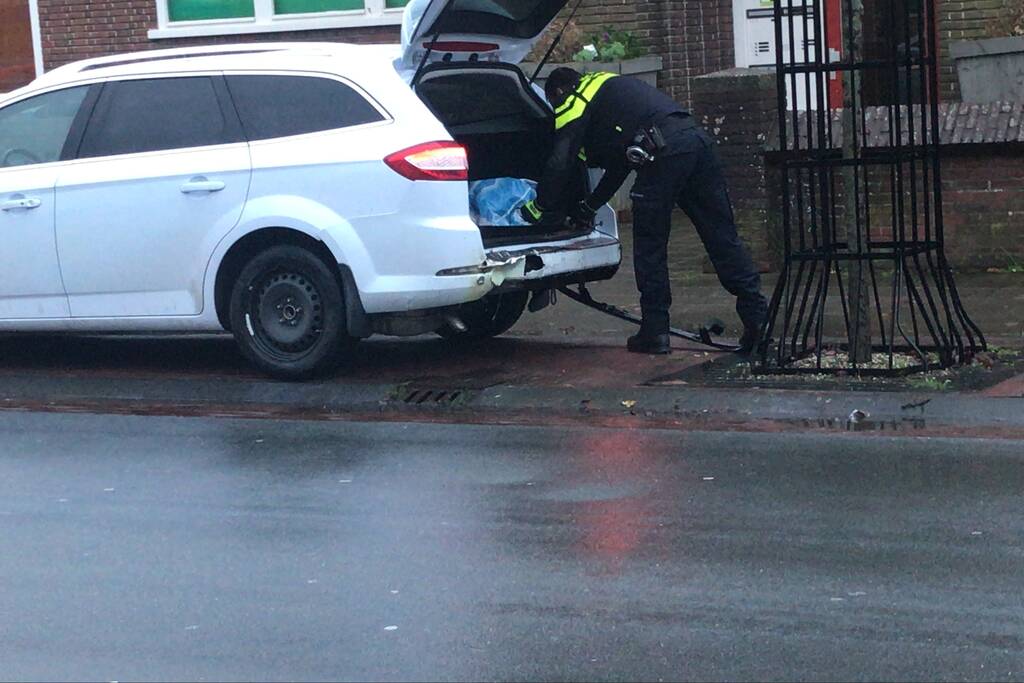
[(961, 20), (738, 107), (82, 29), (983, 200), (698, 40), (695, 37)]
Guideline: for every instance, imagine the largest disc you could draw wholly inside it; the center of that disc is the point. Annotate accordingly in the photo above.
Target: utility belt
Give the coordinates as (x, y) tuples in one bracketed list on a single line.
[(651, 142)]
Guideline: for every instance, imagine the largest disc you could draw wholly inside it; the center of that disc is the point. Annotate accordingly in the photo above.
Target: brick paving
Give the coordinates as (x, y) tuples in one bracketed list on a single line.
[(994, 300)]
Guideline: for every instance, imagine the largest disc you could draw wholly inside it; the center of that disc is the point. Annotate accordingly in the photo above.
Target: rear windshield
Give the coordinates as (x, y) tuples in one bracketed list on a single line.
[(462, 98), (513, 18), (509, 9)]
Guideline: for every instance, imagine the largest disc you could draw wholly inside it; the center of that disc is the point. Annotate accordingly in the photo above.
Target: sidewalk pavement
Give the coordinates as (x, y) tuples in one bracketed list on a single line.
[(522, 382), (566, 364), (995, 301)]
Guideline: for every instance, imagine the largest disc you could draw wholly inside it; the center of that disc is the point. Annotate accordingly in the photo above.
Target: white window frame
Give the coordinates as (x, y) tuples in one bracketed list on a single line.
[(739, 34), (265, 21), (37, 36)]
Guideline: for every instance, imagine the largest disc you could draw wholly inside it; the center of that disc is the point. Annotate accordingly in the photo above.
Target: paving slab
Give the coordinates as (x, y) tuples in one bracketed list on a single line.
[(565, 363)]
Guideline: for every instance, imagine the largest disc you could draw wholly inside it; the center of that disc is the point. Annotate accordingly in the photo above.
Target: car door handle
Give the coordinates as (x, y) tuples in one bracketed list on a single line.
[(21, 203), (197, 185)]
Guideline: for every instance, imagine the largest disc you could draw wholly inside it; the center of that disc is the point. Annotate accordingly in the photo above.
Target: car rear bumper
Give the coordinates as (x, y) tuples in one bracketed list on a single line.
[(571, 261), (584, 258), (593, 257)]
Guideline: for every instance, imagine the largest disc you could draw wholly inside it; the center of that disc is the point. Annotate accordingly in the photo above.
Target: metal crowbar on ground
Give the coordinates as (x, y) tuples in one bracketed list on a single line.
[(703, 336)]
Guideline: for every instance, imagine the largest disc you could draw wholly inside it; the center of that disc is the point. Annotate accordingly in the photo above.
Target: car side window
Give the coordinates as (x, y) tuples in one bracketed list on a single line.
[(280, 106), (157, 114), (34, 131)]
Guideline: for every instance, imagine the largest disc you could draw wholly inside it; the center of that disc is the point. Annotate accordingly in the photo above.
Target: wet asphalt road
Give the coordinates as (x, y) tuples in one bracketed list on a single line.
[(160, 548)]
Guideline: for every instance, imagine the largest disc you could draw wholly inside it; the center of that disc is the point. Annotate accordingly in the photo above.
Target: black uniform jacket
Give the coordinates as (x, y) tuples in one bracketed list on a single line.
[(597, 123)]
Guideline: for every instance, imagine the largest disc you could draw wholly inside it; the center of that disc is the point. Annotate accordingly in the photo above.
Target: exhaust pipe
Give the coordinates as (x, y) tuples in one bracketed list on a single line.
[(455, 322)]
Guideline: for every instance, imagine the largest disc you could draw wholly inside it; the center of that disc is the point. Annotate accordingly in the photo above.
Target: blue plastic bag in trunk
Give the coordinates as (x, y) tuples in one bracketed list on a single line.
[(493, 202)]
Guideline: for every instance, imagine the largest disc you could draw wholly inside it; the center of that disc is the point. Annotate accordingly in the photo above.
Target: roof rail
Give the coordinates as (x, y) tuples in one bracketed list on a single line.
[(167, 57)]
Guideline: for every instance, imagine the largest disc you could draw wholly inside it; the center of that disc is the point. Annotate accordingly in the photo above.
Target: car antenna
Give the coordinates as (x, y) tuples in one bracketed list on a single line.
[(430, 46), (555, 42)]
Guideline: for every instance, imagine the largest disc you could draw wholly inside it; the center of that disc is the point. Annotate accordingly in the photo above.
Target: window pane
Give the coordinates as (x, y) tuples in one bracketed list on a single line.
[(306, 6), (34, 131), (510, 10), (394, 4), (198, 10), (162, 113), (279, 106)]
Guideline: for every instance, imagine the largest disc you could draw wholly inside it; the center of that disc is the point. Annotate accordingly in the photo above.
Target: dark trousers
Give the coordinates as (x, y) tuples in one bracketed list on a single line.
[(689, 175)]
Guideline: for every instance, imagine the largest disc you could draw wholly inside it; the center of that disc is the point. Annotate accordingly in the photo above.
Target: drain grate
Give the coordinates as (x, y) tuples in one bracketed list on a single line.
[(419, 397)]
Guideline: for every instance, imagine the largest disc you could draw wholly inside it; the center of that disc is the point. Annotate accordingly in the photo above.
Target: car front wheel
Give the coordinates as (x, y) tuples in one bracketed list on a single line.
[(288, 314)]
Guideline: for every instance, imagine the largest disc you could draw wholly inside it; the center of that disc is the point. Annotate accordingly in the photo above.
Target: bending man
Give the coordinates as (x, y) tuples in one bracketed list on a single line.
[(621, 124)]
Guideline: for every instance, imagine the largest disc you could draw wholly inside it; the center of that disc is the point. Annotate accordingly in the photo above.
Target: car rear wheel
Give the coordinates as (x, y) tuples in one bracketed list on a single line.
[(491, 316), (288, 314)]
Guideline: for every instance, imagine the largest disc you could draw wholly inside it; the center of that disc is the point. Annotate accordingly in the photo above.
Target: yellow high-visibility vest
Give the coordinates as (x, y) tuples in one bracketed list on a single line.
[(576, 104)]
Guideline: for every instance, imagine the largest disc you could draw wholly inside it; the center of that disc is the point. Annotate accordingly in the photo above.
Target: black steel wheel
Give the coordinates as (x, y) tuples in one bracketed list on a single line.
[(491, 316), (288, 313)]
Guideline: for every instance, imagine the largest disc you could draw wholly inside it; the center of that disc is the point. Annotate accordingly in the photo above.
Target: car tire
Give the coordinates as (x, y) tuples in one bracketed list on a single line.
[(491, 316), (288, 314)]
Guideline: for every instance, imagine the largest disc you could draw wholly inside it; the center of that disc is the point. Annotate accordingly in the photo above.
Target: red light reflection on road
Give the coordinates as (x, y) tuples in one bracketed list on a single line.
[(612, 531)]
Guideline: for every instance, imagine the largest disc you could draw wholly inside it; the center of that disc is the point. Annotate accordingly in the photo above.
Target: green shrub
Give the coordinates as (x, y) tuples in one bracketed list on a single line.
[(610, 45)]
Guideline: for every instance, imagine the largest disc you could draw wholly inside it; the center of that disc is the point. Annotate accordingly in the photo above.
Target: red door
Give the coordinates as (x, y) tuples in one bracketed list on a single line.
[(17, 62), (834, 42)]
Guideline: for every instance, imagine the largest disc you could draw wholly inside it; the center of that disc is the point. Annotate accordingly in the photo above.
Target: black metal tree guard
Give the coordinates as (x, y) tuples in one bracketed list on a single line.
[(865, 286)]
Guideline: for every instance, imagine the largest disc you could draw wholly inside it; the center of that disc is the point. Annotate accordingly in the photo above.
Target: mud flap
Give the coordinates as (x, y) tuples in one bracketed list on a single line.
[(356, 320)]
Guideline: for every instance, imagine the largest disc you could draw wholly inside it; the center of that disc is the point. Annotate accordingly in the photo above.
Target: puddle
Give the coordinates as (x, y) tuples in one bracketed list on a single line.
[(589, 493)]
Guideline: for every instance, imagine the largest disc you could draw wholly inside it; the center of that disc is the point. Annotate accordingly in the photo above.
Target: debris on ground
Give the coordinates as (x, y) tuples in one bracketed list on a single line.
[(836, 359), (986, 370), (858, 416), (913, 406)]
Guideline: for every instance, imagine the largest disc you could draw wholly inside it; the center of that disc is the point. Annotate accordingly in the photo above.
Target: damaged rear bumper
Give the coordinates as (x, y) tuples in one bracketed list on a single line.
[(583, 259), (530, 266), (495, 270), (594, 257)]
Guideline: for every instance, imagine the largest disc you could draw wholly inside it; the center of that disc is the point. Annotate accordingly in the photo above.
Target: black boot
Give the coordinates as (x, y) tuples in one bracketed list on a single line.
[(653, 337), (751, 341), (654, 344)]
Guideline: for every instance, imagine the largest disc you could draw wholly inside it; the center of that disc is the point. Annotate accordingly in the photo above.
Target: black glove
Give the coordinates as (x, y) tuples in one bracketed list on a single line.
[(531, 212), (583, 213)]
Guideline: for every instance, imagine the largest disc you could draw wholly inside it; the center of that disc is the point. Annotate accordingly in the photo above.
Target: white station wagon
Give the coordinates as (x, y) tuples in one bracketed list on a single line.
[(301, 196)]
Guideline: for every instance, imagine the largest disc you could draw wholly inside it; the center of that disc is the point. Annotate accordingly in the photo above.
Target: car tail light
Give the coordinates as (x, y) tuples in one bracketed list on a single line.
[(431, 161)]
